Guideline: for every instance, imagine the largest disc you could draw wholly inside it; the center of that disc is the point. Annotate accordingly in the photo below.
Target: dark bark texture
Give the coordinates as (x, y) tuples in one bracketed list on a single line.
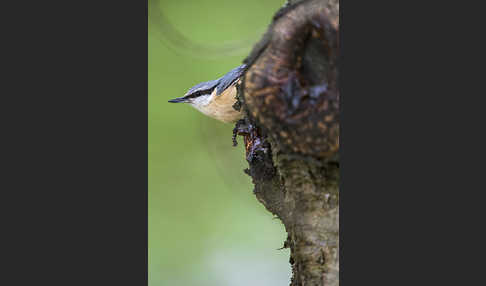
[(291, 132)]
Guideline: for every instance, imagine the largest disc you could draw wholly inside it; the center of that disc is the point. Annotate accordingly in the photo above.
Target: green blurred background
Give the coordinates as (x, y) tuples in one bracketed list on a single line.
[(205, 225)]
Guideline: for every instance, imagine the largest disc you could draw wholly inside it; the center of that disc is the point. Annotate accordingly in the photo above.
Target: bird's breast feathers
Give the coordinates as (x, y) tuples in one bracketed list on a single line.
[(220, 107)]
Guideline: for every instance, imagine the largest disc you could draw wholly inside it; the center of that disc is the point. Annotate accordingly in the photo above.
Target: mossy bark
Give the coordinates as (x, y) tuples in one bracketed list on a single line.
[(304, 194), (291, 99)]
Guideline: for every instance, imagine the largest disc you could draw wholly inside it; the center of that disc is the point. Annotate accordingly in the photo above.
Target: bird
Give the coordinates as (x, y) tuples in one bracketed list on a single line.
[(215, 98)]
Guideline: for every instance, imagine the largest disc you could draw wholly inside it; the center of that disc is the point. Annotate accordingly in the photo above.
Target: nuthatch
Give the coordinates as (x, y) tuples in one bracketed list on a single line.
[(216, 98)]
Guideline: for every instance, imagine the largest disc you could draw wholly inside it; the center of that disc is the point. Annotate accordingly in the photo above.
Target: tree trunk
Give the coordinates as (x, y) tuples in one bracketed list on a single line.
[(291, 131)]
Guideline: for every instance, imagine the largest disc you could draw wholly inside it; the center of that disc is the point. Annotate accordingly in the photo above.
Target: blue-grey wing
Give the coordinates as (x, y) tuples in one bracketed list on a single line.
[(229, 78)]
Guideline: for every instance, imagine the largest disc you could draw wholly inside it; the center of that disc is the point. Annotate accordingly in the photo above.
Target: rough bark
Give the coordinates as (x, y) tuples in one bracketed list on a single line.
[(291, 131)]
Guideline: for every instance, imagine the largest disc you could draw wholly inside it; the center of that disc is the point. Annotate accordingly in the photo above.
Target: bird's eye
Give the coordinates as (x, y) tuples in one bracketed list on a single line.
[(199, 93)]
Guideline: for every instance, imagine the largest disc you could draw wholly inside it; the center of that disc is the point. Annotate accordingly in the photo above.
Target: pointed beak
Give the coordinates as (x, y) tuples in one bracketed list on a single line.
[(179, 99)]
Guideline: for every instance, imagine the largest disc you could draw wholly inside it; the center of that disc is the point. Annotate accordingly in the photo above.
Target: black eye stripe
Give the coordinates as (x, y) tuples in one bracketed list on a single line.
[(199, 93)]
